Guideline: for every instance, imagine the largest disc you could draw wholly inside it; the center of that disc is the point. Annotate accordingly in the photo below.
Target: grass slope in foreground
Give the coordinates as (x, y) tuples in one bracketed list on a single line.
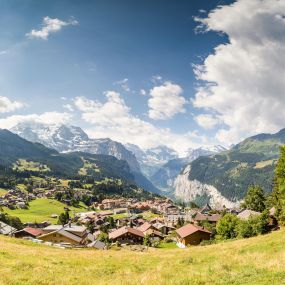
[(41, 210), (258, 260)]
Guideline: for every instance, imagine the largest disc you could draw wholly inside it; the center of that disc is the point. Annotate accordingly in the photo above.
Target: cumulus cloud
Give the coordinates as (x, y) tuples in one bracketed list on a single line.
[(6, 105), (165, 101), (50, 25), (142, 92), (207, 121), (113, 119), (45, 118), (243, 80)]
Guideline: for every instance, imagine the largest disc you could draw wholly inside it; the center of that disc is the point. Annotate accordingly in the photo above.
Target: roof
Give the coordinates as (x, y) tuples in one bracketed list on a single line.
[(123, 230), (144, 227), (245, 214), (69, 228), (6, 229), (210, 218), (32, 231), (65, 234), (97, 244), (190, 229), (152, 231)]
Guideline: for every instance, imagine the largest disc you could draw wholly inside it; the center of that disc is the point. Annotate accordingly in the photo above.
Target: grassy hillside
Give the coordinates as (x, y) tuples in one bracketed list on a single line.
[(257, 260), (41, 210)]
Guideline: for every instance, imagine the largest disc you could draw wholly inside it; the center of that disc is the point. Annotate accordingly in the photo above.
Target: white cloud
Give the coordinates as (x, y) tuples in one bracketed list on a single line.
[(142, 92), (207, 121), (50, 25), (166, 101), (6, 105), (113, 119), (45, 118), (243, 80), (124, 84), (68, 107)]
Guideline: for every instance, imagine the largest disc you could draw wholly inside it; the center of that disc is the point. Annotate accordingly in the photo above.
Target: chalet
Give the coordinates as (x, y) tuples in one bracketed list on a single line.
[(191, 235), (163, 228), (246, 214), (6, 229), (212, 219), (28, 233), (71, 234), (127, 235)]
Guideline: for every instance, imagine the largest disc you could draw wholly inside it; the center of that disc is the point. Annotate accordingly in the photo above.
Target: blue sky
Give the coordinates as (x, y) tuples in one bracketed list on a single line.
[(67, 59)]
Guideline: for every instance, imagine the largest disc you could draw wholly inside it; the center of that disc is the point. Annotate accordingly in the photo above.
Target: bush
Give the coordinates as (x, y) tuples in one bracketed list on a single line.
[(226, 226)]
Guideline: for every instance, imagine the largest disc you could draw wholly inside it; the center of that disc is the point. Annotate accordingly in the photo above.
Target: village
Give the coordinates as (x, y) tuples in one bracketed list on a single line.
[(121, 222)]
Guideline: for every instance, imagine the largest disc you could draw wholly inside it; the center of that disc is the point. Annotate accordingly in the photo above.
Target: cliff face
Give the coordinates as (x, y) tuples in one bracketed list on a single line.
[(192, 190)]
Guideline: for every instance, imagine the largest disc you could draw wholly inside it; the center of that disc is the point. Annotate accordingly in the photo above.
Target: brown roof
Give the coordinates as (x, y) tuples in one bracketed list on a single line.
[(210, 218), (189, 230), (152, 231), (33, 231), (144, 227), (123, 230)]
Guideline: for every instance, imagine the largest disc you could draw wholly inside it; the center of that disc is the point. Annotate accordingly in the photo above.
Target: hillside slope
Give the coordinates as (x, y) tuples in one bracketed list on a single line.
[(258, 260), (13, 148), (231, 172)]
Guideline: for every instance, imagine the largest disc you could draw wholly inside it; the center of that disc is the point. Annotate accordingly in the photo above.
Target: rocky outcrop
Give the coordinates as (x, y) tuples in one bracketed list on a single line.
[(187, 190)]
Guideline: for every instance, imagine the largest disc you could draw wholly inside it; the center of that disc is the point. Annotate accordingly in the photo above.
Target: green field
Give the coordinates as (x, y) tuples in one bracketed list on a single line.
[(258, 260), (40, 210), (24, 165)]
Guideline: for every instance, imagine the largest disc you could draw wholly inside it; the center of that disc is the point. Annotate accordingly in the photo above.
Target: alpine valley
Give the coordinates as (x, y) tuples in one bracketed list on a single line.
[(214, 175)]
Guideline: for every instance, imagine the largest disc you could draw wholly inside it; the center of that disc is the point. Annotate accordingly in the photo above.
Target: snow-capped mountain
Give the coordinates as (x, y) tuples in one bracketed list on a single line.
[(65, 138), (152, 159)]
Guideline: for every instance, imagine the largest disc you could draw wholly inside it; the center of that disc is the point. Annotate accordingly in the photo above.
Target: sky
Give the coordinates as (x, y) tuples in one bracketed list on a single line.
[(179, 73)]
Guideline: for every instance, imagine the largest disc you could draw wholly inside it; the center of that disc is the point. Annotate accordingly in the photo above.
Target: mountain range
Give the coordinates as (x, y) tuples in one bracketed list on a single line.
[(65, 138), (16, 151)]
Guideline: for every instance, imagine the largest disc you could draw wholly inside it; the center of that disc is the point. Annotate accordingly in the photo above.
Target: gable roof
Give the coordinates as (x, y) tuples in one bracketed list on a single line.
[(123, 230), (190, 229), (144, 227), (65, 234)]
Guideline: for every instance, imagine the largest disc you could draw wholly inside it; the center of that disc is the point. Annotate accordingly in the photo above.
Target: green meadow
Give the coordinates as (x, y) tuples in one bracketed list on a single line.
[(259, 260), (41, 210)]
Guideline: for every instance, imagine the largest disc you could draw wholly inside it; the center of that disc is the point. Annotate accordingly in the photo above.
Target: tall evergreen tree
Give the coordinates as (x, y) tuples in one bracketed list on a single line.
[(254, 199)]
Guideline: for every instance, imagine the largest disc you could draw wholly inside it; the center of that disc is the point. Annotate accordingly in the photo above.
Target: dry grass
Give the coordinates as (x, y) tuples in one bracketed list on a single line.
[(257, 260)]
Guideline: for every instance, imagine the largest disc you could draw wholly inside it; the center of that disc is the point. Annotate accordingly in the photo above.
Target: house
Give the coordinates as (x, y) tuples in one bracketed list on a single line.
[(6, 229), (127, 235), (146, 226), (28, 233), (246, 214), (163, 228), (71, 234), (212, 219), (191, 235)]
